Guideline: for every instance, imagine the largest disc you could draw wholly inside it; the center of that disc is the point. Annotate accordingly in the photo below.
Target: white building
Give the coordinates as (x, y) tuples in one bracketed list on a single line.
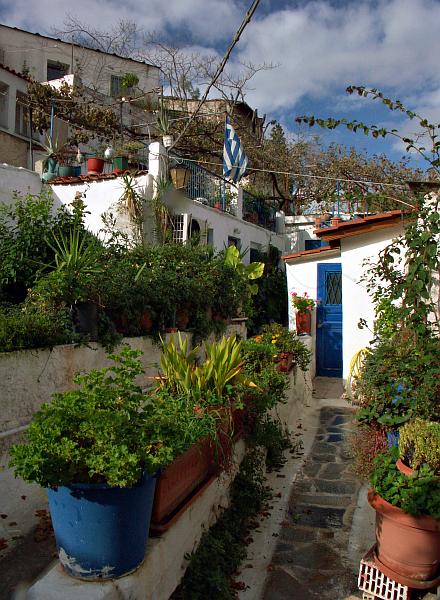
[(45, 58), (333, 275), (14, 126), (215, 226)]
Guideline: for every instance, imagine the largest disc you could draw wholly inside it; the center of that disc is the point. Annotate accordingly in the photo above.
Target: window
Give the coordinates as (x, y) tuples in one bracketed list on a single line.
[(313, 244), (255, 253), (333, 288), (233, 241), (21, 114), (115, 85), (56, 70), (4, 104)]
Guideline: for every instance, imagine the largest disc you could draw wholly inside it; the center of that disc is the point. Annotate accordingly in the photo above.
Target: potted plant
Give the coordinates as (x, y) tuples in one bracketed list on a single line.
[(120, 159), (419, 444), (96, 450), (95, 164), (50, 161), (71, 276), (163, 124), (204, 393), (303, 306), (289, 351), (407, 521)]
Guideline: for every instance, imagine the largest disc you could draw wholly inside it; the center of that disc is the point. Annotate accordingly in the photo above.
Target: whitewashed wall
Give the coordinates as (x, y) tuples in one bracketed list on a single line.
[(356, 301), (302, 277), (17, 179), (225, 225), (100, 197), (298, 230)]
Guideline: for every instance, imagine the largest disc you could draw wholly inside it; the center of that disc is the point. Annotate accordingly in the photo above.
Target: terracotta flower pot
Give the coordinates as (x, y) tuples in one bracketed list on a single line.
[(182, 319), (95, 166), (304, 323), (403, 468), (181, 478), (146, 321), (406, 545)]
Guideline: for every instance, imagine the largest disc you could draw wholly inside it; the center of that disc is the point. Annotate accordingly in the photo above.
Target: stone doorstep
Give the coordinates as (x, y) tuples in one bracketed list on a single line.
[(164, 564)]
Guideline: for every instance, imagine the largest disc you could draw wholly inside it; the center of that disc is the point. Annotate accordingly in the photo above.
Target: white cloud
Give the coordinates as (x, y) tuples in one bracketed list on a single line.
[(320, 48), (199, 18)]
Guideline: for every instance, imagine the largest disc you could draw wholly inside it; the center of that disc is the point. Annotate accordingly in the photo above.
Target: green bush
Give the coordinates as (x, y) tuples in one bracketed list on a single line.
[(102, 432), (417, 494), (26, 227), (399, 380), (419, 444), (26, 326)]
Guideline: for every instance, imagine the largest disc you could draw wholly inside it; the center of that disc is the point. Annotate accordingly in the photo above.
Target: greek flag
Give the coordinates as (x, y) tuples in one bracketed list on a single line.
[(235, 161)]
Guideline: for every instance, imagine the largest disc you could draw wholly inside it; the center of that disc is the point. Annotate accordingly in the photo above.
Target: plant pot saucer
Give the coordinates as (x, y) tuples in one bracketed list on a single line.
[(404, 580)]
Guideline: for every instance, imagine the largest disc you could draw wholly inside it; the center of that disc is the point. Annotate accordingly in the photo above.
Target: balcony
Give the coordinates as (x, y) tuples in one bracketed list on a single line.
[(258, 211), (208, 188)]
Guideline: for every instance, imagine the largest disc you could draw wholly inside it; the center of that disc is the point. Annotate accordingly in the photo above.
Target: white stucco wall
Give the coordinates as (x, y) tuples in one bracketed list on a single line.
[(355, 300), (100, 197), (17, 179), (302, 277), (298, 230), (225, 225), (356, 303)]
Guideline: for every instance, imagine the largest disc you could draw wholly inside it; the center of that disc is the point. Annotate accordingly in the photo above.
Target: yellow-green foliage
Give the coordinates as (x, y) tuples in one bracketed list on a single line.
[(419, 443)]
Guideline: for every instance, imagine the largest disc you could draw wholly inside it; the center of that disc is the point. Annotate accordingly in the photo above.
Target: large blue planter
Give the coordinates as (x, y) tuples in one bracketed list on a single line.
[(101, 531)]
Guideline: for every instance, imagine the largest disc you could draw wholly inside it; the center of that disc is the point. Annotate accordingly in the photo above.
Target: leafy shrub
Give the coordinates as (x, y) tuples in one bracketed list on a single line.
[(399, 380), (26, 225), (419, 444), (102, 432), (26, 326), (417, 494), (366, 442)]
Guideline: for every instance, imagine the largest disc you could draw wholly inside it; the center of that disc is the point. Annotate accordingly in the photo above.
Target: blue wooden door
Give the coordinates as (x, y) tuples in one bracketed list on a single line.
[(329, 321)]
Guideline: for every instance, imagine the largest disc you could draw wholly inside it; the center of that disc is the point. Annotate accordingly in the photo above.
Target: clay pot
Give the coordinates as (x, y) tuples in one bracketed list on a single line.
[(403, 468), (177, 482), (146, 322), (182, 319), (408, 547), (304, 323), (95, 166)]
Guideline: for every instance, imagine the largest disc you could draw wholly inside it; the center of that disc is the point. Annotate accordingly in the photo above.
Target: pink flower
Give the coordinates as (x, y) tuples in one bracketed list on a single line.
[(305, 294), (294, 294)]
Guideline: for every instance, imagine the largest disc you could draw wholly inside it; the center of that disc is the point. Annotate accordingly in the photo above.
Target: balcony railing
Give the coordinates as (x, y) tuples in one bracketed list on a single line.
[(258, 211), (207, 188)]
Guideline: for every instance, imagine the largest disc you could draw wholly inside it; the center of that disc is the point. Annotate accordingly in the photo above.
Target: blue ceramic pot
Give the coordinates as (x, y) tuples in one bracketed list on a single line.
[(101, 531)]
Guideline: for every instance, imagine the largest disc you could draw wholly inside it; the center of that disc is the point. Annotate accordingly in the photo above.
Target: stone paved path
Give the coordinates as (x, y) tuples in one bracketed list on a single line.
[(311, 560)]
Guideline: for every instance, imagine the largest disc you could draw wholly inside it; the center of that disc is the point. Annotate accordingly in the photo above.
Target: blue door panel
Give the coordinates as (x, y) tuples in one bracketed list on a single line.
[(329, 320)]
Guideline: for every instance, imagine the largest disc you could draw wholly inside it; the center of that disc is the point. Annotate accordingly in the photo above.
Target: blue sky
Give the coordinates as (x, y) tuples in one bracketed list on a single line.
[(319, 48)]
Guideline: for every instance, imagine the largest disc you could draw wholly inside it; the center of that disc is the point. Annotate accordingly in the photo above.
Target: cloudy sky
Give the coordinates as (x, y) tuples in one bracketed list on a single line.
[(320, 47)]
